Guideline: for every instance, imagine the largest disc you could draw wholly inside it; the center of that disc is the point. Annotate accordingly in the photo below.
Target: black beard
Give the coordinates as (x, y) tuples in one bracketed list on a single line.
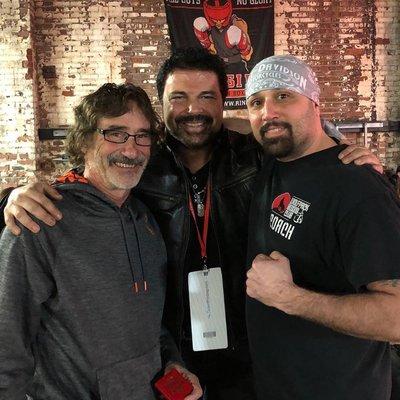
[(279, 147), (188, 140)]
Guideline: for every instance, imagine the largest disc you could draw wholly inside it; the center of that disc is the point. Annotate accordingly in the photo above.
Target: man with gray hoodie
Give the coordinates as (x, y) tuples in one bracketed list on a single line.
[(81, 303)]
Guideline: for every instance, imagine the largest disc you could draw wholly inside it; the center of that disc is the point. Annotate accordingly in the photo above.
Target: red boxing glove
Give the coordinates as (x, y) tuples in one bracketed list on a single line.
[(201, 28)]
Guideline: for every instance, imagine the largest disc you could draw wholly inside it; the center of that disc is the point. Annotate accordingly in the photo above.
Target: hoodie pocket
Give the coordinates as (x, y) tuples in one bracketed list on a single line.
[(130, 379)]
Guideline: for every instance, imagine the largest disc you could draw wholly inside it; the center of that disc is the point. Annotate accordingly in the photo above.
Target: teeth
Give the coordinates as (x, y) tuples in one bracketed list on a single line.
[(125, 165), (277, 129), (194, 123)]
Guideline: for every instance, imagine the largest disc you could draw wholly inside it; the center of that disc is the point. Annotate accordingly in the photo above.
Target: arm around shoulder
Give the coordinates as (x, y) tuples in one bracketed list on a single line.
[(34, 199)]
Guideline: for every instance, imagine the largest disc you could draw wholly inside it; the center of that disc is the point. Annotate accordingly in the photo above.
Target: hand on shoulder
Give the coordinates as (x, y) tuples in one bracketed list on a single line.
[(33, 199)]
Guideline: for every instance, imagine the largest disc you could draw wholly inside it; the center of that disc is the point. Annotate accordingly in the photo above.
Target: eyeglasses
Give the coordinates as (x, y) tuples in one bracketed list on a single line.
[(116, 136)]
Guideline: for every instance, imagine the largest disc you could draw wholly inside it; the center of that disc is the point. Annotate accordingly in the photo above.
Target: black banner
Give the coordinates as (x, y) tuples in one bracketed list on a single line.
[(241, 32)]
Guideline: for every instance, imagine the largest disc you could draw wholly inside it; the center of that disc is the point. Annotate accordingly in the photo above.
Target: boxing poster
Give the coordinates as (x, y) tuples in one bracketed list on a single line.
[(241, 32)]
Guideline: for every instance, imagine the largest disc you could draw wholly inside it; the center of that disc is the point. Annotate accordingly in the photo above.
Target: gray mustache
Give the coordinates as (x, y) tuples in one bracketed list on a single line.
[(140, 160)]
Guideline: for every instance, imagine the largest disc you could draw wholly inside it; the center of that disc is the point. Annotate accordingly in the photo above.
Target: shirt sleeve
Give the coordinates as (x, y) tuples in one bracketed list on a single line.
[(369, 236), (3, 202), (25, 284)]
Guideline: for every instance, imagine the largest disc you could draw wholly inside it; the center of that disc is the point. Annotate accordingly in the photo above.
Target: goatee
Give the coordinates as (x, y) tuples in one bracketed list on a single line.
[(281, 146)]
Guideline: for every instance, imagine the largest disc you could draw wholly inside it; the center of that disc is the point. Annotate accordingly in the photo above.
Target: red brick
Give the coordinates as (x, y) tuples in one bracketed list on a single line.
[(362, 70)]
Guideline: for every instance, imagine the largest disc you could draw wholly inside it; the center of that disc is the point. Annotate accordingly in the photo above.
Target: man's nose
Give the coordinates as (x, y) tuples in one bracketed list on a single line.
[(194, 106), (270, 110), (130, 147)]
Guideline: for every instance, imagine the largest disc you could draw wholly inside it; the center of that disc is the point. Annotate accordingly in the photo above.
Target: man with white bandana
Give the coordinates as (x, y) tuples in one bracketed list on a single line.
[(323, 287)]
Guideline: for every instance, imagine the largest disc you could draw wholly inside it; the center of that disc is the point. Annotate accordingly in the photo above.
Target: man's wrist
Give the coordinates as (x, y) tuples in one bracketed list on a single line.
[(290, 299), (300, 300)]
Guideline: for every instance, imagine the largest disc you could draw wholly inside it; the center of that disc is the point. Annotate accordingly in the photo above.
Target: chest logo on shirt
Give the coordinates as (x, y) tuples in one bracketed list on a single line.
[(286, 211)]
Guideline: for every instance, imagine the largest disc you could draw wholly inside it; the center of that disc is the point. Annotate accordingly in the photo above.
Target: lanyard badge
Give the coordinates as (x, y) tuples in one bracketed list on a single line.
[(206, 294)]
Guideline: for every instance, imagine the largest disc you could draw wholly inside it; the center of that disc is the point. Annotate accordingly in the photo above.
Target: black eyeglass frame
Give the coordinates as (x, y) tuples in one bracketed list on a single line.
[(127, 136)]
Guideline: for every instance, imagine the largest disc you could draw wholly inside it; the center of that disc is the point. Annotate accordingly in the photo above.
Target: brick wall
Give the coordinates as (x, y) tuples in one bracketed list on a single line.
[(52, 52), (80, 47), (354, 48), (18, 99)]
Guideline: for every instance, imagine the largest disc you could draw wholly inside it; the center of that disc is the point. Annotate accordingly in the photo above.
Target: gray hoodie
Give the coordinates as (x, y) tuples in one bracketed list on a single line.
[(72, 325)]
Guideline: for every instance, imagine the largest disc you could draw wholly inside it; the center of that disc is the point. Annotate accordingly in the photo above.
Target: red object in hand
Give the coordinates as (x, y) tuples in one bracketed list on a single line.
[(174, 386)]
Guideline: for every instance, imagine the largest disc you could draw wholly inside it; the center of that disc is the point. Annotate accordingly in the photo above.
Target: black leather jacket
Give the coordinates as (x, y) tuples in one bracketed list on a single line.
[(164, 189)]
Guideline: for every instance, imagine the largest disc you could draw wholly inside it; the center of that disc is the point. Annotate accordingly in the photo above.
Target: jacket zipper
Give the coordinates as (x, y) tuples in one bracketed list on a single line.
[(227, 302), (186, 230)]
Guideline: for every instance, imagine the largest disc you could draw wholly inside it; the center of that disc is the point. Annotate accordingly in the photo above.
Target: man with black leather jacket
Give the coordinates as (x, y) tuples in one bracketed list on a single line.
[(198, 157), (232, 170), (197, 150)]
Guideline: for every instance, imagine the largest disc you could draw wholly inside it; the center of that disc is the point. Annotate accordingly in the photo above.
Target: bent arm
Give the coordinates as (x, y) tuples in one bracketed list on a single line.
[(353, 153), (33, 199), (368, 241), (368, 235), (374, 315), (360, 156), (172, 359)]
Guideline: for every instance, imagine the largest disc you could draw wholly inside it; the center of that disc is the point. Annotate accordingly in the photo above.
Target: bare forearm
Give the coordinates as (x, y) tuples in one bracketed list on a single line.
[(372, 315)]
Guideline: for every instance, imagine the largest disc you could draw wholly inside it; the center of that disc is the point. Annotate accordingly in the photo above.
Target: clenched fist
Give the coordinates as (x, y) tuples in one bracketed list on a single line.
[(270, 281)]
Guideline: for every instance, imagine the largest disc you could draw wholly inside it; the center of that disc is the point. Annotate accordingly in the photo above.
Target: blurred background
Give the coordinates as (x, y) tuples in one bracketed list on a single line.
[(53, 52)]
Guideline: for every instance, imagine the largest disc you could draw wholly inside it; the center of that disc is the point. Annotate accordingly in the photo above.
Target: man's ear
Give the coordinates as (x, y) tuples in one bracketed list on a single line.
[(317, 109)]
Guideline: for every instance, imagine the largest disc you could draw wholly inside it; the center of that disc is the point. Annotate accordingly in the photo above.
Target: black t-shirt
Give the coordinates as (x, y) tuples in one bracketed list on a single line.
[(339, 225)]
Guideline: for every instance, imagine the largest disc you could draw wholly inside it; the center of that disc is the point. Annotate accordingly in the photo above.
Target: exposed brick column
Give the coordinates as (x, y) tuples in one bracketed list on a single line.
[(18, 101), (81, 45), (388, 77), (146, 43), (354, 47)]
